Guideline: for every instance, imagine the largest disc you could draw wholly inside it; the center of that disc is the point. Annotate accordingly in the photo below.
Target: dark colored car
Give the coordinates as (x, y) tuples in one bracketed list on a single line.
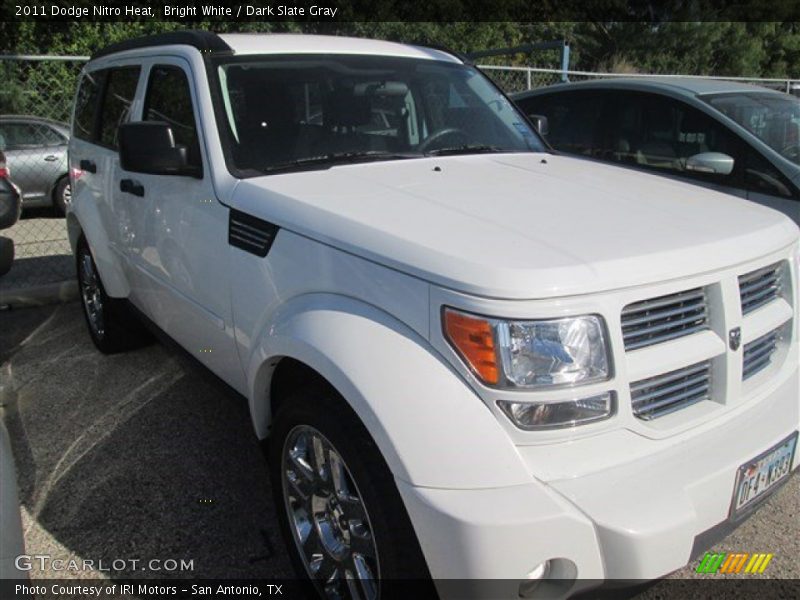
[(36, 150), (737, 138), (10, 208)]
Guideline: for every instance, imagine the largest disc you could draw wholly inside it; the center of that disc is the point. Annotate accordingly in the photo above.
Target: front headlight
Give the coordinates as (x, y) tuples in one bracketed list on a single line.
[(530, 354)]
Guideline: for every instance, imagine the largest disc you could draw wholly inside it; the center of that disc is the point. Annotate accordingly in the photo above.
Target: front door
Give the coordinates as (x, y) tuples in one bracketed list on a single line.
[(181, 249)]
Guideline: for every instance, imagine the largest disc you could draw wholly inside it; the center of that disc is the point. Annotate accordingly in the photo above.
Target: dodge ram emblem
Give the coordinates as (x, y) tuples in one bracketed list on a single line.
[(735, 338)]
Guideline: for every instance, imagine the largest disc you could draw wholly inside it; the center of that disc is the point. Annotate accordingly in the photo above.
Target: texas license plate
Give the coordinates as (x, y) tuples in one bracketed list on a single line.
[(756, 477)]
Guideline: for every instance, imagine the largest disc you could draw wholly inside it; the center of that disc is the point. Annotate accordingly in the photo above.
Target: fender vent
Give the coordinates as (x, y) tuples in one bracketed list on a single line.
[(251, 234)]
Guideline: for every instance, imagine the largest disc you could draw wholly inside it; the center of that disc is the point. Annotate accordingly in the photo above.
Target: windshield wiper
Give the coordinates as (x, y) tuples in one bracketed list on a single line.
[(466, 149), (334, 158)]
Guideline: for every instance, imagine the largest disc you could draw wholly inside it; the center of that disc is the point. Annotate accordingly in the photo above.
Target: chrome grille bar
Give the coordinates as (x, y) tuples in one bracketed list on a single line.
[(760, 287), (664, 318), (758, 354), (661, 395)]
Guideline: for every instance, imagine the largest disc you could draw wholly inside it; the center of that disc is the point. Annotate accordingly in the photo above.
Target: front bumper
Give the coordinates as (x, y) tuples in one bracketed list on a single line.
[(637, 520)]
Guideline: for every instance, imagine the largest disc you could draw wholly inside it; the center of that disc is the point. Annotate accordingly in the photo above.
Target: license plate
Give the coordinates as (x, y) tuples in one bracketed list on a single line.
[(756, 477)]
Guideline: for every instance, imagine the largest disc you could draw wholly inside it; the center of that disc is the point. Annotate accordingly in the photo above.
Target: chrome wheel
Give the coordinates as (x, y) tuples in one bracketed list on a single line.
[(66, 195), (329, 522), (92, 296)]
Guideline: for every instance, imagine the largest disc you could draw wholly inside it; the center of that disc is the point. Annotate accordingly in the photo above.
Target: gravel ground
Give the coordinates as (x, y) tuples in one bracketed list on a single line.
[(145, 455)]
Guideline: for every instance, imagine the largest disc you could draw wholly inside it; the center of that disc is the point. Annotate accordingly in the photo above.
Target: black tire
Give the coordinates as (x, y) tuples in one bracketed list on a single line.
[(402, 569), (112, 325), (61, 196)]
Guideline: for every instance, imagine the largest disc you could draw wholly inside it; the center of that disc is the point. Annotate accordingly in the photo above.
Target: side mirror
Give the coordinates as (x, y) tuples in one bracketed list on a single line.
[(540, 123), (710, 162), (149, 147)]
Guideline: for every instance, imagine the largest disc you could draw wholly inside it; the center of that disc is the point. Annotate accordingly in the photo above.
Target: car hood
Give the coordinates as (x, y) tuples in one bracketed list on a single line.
[(518, 225)]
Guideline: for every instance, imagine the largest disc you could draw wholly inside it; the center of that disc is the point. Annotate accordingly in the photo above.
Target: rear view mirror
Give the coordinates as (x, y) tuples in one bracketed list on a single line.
[(710, 162), (149, 147), (540, 123), (384, 88)]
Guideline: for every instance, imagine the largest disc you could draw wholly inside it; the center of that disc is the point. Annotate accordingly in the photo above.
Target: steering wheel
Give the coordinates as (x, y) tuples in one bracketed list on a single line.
[(792, 152), (440, 134)]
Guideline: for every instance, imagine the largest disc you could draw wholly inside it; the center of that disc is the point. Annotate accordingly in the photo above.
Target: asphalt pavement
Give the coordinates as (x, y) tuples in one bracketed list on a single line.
[(146, 456), (138, 456)]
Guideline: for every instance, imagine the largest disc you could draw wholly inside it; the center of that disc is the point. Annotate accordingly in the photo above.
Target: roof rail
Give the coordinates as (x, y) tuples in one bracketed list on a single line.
[(441, 48), (205, 41)]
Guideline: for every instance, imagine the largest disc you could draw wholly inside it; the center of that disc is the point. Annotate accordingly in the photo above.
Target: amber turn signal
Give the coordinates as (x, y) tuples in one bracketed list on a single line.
[(473, 338)]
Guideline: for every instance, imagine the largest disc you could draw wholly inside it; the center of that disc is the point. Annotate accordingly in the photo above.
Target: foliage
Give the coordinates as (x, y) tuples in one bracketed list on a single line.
[(749, 49), (752, 49)]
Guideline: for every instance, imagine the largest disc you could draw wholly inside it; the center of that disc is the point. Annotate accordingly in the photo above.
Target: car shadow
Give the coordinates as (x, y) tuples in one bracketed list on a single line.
[(137, 456), (30, 271)]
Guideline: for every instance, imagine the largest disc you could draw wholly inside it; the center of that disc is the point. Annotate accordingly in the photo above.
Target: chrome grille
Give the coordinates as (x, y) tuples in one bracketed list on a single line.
[(664, 318), (759, 287), (658, 396), (758, 353)]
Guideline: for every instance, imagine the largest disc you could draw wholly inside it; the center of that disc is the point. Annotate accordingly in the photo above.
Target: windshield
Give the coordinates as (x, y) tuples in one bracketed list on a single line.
[(774, 118), (285, 113)]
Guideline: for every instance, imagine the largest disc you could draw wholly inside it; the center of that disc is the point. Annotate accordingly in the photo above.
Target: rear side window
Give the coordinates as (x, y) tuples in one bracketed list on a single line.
[(120, 90), (17, 136), (86, 105), (169, 100)]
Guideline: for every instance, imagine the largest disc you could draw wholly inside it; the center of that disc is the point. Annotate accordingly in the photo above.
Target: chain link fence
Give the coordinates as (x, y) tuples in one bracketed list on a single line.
[(35, 106), (38, 91), (519, 79)]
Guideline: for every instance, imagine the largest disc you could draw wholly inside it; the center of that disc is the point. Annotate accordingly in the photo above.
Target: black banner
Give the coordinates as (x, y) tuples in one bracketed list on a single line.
[(708, 588), (191, 11)]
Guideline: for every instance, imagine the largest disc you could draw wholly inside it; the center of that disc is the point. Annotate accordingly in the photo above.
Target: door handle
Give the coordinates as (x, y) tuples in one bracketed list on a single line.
[(88, 165), (51, 158), (129, 186)]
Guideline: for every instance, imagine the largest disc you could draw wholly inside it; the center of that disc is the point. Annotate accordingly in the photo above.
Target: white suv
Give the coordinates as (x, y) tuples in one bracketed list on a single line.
[(473, 358)]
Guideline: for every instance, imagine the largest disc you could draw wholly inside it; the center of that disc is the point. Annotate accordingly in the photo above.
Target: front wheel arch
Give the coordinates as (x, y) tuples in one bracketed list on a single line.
[(406, 395), (287, 376)]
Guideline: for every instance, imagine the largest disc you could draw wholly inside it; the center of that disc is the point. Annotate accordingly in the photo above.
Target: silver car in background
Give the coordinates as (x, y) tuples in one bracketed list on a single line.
[(737, 138), (36, 154)]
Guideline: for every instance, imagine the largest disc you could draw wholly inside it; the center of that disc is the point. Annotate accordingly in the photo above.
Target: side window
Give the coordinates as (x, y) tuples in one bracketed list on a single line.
[(86, 105), (49, 136), (664, 133), (657, 145), (572, 119), (763, 178), (120, 91), (169, 99), (19, 136), (621, 128)]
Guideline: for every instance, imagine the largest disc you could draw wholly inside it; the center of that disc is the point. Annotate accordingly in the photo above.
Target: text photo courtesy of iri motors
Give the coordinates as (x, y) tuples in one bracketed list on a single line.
[(295, 304)]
